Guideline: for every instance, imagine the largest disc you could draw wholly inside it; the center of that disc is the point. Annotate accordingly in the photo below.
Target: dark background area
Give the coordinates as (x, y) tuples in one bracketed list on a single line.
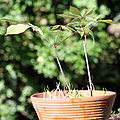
[(27, 61)]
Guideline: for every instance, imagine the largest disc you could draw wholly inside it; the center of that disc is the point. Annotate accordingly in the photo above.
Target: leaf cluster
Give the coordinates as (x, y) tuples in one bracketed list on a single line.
[(77, 19)]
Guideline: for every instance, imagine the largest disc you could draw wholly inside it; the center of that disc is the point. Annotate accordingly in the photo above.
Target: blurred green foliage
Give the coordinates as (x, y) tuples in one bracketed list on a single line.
[(27, 61)]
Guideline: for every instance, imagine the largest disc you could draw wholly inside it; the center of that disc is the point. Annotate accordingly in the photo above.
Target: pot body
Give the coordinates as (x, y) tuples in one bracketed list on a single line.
[(84, 108)]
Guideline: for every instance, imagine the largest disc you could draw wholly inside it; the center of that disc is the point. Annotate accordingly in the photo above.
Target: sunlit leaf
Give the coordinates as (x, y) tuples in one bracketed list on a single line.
[(91, 19), (70, 28), (88, 24), (67, 15), (108, 21), (88, 12), (62, 27), (81, 33), (80, 29), (86, 30), (72, 23), (36, 28), (98, 17), (55, 27), (17, 29), (54, 31), (78, 19), (75, 11), (65, 28)]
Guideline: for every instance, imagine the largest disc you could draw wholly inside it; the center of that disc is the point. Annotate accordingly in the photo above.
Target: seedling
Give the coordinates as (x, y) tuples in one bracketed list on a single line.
[(77, 25)]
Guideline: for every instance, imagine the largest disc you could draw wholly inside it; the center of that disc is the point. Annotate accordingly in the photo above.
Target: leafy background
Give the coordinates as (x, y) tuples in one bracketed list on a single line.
[(27, 61)]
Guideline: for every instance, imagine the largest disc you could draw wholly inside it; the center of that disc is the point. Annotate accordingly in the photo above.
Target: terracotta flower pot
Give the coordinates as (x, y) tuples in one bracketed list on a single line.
[(84, 108)]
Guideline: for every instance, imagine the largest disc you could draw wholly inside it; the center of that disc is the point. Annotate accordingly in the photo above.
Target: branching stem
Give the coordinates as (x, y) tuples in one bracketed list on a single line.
[(66, 38), (44, 37), (58, 35), (55, 46), (92, 28)]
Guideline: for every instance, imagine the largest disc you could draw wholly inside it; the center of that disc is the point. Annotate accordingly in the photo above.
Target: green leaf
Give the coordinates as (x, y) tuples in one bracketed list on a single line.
[(70, 28), (88, 24), (55, 27), (17, 29), (88, 12), (67, 15), (72, 23), (11, 20), (108, 21), (75, 11), (36, 28), (86, 30), (91, 19), (98, 17), (65, 28), (79, 29), (81, 33), (78, 19), (55, 31)]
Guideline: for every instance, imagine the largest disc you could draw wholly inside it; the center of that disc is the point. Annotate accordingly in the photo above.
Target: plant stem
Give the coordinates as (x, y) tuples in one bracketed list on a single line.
[(61, 68), (44, 37), (87, 63), (66, 38), (92, 28), (58, 35)]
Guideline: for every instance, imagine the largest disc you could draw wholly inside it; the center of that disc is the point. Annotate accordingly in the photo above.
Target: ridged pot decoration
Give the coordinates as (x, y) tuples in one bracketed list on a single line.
[(84, 108)]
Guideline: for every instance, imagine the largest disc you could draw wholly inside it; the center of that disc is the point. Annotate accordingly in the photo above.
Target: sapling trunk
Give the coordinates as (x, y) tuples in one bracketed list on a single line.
[(86, 59), (87, 63), (61, 68)]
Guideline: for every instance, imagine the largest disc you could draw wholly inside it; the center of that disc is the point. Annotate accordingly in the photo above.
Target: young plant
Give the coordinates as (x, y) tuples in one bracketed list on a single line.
[(77, 25)]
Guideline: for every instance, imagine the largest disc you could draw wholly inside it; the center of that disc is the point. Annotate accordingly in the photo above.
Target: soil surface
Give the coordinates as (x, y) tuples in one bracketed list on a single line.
[(115, 117)]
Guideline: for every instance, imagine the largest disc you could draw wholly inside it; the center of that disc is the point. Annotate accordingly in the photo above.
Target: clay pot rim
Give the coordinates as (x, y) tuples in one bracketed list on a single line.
[(109, 93)]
